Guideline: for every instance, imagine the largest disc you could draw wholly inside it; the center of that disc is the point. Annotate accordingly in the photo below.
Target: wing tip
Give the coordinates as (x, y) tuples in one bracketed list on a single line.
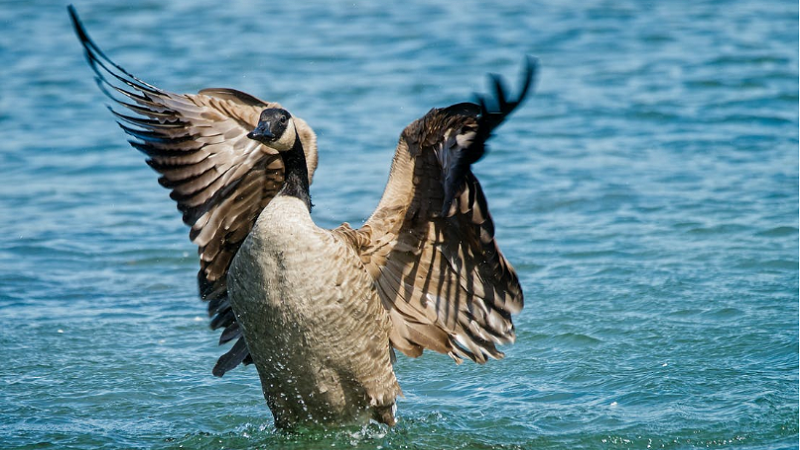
[(505, 105), (238, 354), (530, 76), (94, 55), (80, 30)]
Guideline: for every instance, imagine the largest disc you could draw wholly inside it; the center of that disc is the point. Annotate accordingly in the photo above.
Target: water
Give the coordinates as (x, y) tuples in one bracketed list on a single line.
[(647, 195)]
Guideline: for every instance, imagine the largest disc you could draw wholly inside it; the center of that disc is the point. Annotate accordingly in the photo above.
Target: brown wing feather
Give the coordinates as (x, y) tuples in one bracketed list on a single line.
[(220, 179), (430, 243)]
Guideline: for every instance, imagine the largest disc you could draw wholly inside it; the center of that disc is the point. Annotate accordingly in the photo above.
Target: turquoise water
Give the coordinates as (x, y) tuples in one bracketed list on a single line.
[(647, 195)]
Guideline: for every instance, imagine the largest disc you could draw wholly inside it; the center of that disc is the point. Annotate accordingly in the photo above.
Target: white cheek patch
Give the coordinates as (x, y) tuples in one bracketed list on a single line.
[(464, 140), (286, 141)]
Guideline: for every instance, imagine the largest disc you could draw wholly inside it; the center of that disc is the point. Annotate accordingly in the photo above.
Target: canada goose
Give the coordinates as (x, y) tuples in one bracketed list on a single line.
[(320, 311)]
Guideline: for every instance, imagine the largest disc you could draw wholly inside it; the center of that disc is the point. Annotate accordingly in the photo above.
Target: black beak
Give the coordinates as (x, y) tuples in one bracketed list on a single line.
[(261, 133)]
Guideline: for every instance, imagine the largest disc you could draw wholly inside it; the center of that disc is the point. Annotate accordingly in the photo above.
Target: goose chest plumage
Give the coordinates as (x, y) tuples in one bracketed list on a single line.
[(321, 312)]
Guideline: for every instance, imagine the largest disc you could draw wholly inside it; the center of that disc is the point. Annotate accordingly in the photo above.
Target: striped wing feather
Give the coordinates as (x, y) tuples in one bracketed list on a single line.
[(220, 179), (430, 243)]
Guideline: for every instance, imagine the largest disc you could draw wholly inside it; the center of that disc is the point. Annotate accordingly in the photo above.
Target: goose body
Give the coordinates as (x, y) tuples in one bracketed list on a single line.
[(320, 312), (312, 320)]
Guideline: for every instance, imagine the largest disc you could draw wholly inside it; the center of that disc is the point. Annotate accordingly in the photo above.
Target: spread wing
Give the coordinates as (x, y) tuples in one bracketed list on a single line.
[(220, 179), (430, 243)]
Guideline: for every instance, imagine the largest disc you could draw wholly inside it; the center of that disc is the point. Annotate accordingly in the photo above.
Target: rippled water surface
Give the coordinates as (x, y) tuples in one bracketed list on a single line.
[(647, 195)]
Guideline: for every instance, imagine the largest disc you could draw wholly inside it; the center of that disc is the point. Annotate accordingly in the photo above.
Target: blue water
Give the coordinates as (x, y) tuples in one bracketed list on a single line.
[(647, 195)]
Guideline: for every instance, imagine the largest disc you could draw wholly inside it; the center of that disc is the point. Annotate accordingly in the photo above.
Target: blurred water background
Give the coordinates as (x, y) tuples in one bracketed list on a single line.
[(647, 196)]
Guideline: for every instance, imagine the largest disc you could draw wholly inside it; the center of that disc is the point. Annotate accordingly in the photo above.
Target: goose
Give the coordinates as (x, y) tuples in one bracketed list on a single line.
[(320, 312)]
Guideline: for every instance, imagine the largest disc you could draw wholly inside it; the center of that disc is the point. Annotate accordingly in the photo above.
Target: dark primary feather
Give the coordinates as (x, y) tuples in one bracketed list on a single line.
[(430, 243), (220, 179), (488, 120)]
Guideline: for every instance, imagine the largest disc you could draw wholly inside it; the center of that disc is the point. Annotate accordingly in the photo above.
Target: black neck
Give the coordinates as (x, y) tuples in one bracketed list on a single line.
[(296, 173)]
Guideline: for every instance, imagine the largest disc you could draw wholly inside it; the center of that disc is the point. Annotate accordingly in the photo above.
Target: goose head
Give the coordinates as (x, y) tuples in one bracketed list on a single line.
[(275, 129)]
